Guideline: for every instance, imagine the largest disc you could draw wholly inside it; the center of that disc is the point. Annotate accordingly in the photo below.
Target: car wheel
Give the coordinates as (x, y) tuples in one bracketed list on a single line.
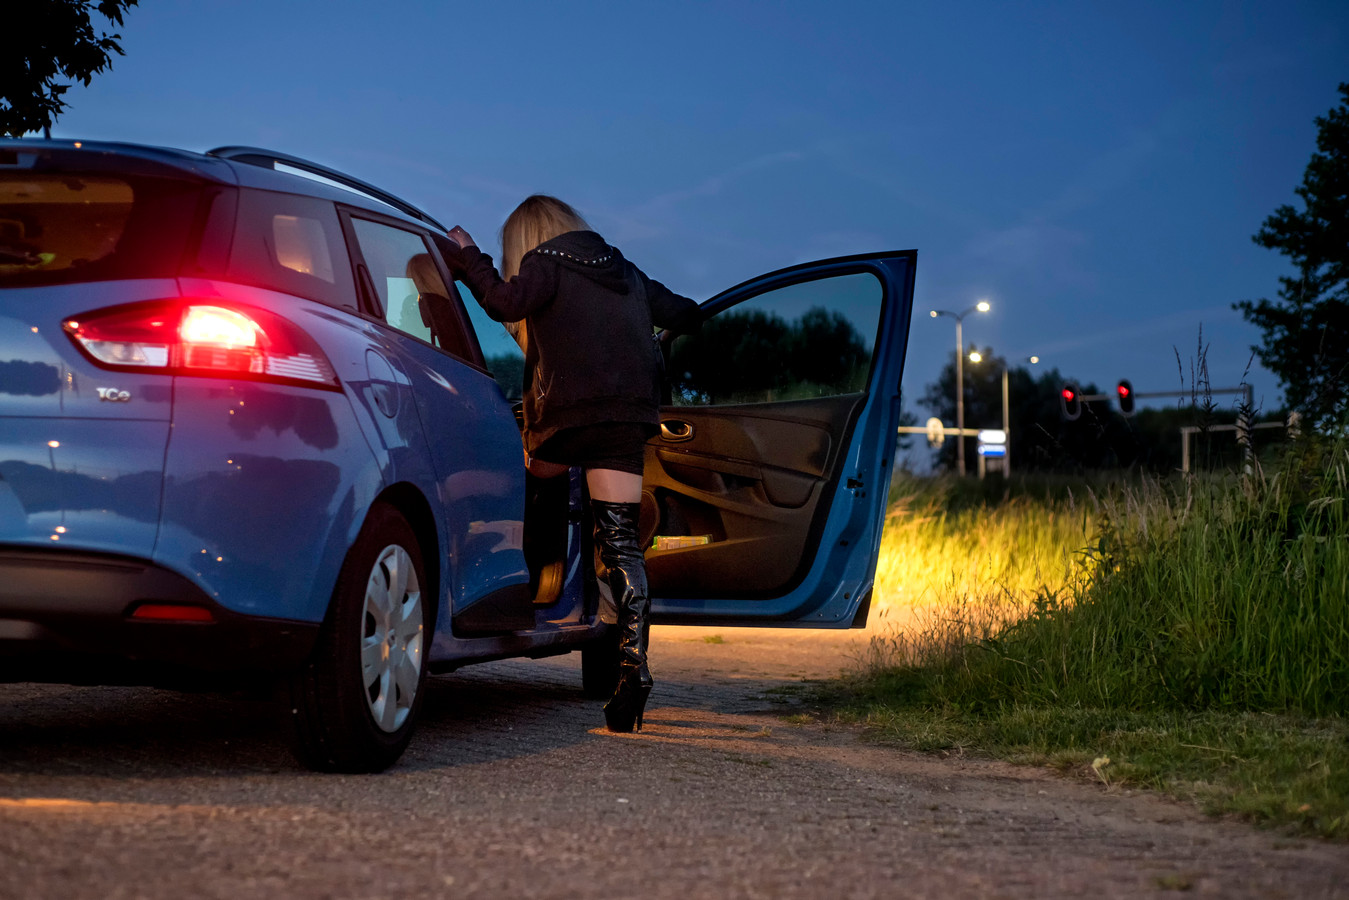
[(354, 704), (599, 665)]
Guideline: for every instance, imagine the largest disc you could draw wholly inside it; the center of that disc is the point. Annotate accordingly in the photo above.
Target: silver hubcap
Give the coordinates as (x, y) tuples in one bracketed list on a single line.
[(391, 638)]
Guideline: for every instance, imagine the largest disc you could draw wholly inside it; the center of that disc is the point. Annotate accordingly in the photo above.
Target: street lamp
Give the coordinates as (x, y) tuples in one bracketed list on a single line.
[(981, 306), (976, 357)]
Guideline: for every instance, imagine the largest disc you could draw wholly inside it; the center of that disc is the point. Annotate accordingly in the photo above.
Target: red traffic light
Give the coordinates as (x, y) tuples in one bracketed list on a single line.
[(1125, 390), (1070, 402)]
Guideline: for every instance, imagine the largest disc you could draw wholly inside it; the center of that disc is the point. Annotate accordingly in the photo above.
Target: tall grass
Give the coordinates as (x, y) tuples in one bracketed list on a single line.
[(946, 544), (961, 559), (1202, 593)]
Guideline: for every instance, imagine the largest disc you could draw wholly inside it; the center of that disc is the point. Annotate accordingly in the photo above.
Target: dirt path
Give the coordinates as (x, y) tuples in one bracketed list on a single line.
[(512, 789)]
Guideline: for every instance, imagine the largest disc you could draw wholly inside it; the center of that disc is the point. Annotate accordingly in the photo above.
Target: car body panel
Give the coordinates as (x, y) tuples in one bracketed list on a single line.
[(566, 623), (81, 448), (265, 487), (475, 449), (91, 483)]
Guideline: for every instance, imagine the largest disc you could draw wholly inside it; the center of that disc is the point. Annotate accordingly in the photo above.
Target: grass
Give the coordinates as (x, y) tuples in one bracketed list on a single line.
[(934, 551), (1277, 769), (1190, 636)]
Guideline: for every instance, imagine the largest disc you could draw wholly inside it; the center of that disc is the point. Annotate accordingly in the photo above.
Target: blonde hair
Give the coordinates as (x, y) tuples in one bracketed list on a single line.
[(540, 218), (422, 270)]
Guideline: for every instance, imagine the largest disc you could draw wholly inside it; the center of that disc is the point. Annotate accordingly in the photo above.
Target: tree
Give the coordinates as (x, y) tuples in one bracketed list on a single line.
[(983, 401), (55, 38), (753, 355), (1304, 332)]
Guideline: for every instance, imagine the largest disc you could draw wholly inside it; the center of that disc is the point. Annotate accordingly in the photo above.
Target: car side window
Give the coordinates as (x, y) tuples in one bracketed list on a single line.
[(292, 244), (500, 351), (806, 340), (412, 293)]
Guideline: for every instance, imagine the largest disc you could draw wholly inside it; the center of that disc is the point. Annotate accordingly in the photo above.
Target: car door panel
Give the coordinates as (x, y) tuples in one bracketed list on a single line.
[(764, 491), (751, 478)]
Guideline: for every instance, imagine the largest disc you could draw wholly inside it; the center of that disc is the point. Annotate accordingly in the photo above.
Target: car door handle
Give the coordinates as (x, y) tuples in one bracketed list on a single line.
[(675, 431)]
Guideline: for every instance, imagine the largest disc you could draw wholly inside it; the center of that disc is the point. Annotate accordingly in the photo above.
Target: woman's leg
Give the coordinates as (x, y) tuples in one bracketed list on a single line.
[(615, 504), (614, 486)]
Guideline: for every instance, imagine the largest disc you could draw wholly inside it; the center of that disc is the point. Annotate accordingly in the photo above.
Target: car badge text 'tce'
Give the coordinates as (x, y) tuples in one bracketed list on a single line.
[(113, 394)]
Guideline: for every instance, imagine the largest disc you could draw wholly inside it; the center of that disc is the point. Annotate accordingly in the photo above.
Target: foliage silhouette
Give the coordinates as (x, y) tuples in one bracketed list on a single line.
[(55, 39), (755, 356), (1304, 331)]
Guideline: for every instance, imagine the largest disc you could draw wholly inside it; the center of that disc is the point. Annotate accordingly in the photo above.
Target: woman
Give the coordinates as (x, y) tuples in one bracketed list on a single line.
[(592, 391)]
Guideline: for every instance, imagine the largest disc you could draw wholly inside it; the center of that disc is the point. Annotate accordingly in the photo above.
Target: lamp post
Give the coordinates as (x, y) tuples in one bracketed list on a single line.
[(981, 306), (975, 357)]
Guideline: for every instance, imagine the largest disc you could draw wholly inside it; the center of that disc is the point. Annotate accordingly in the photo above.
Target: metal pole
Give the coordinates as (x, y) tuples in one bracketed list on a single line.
[(1006, 427), (960, 399), (981, 306)]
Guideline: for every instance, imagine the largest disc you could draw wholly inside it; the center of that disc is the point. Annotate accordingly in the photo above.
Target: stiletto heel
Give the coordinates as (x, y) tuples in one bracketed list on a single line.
[(646, 692), (623, 712)]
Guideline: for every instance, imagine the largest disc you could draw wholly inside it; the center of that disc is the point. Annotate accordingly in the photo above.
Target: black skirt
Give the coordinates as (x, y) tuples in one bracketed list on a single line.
[(607, 445)]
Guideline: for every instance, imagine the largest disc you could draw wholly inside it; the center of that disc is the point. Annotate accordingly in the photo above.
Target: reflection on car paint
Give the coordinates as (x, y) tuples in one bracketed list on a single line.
[(306, 416), (272, 490), (30, 379)]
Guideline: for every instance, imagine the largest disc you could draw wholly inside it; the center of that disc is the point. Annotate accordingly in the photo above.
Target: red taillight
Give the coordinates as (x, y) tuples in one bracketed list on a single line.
[(218, 325), (172, 612), (189, 338), (218, 339)]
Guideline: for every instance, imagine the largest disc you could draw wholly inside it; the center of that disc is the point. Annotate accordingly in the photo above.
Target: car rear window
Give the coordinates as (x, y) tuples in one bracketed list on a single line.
[(68, 227)]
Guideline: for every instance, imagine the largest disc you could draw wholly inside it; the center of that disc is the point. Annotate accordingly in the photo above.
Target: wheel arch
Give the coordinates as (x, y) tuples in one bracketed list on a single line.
[(412, 504)]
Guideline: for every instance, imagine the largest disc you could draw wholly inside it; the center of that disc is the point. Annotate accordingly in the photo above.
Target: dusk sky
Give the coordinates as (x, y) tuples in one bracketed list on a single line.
[(1095, 173)]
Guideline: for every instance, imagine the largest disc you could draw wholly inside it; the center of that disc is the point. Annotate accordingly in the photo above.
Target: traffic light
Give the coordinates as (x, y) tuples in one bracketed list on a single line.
[(1070, 401), (1125, 390)]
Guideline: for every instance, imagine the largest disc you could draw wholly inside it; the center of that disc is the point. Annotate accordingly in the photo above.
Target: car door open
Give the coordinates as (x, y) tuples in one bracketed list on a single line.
[(765, 489)]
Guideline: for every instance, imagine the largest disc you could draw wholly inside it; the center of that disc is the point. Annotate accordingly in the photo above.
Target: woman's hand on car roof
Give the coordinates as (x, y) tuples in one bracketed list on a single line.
[(461, 237)]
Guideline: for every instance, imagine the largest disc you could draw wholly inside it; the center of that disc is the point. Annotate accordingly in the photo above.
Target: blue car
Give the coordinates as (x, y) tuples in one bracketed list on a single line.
[(252, 435)]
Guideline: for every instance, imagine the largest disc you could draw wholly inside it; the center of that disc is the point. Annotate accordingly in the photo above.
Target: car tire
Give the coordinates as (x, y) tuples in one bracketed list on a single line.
[(353, 706), (599, 665)]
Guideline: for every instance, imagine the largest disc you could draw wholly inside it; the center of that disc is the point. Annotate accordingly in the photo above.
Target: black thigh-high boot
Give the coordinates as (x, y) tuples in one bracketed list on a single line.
[(621, 553)]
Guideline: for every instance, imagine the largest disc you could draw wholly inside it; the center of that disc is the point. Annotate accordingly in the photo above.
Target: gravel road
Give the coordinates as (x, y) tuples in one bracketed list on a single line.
[(512, 789)]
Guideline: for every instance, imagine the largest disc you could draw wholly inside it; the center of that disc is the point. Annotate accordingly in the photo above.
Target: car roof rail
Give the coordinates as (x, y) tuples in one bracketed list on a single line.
[(268, 159)]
